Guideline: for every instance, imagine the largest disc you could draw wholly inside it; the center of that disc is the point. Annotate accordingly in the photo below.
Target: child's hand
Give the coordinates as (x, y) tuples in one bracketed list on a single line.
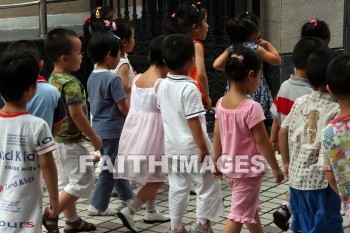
[(278, 174), (216, 172), (54, 208), (286, 170), (97, 143), (262, 43), (276, 147), (202, 154), (95, 159), (208, 103)]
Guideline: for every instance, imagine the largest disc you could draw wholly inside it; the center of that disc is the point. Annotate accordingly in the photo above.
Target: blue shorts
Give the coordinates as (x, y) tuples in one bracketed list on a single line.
[(316, 211)]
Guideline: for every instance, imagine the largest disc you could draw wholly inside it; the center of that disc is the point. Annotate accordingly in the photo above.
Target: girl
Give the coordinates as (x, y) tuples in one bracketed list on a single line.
[(245, 33), (125, 32), (239, 130), (143, 134), (191, 19), (316, 28)]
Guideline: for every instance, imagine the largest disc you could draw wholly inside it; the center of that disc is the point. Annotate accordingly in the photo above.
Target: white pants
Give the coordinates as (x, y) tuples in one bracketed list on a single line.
[(209, 202)]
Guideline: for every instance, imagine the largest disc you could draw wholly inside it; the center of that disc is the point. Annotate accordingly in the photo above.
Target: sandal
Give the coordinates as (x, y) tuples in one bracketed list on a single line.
[(79, 226), (51, 224)]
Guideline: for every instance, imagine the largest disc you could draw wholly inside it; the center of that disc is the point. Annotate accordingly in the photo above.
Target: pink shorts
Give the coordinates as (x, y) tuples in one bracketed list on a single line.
[(245, 198)]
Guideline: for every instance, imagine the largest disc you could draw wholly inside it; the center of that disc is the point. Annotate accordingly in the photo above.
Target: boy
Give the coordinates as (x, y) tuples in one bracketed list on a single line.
[(296, 86), (109, 107), (25, 150), (335, 139), (63, 48), (47, 102), (183, 117), (315, 206)]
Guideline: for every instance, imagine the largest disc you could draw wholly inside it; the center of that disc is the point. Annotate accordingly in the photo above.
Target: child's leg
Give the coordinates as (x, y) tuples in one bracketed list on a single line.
[(257, 227), (232, 227), (146, 193)]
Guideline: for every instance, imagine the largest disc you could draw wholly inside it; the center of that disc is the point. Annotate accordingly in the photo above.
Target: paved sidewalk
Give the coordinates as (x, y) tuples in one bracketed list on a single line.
[(271, 196)]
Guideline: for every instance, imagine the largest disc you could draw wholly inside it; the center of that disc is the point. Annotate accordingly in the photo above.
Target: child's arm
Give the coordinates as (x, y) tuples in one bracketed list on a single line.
[(123, 106), (263, 142), (274, 134), (268, 53), (220, 61), (56, 129), (123, 73), (49, 170), (217, 150), (284, 148), (79, 118), (197, 133), (331, 180), (201, 73)]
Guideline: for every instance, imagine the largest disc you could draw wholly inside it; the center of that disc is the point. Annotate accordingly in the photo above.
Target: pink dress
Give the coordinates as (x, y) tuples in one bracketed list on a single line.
[(141, 145)]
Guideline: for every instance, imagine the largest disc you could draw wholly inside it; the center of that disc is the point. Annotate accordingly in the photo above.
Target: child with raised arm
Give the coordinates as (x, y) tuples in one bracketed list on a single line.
[(186, 139), (25, 150), (313, 203), (335, 138), (63, 48), (240, 131)]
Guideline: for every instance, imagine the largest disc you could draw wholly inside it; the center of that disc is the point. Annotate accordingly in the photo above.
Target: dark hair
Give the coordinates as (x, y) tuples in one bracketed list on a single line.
[(316, 28), (96, 21), (18, 72), (177, 50), (239, 30), (25, 46), (155, 51), (338, 76), (249, 16), (187, 14), (102, 43), (240, 63), (123, 29), (58, 43), (303, 48), (316, 66)]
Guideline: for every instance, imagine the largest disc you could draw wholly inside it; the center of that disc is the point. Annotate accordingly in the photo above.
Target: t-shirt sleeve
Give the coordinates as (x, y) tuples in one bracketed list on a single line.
[(73, 93), (117, 90), (43, 140), (255, 114), (323, 158), (192, 102), (60, 113)]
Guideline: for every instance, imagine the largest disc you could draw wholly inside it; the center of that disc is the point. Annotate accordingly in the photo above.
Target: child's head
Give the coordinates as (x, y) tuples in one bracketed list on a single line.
[(316, 67), (189, 19), (104, 49), (63, 47), (249, 16), (338, 77), (316, 28), (18, 74), (124, 31), (155, 56), (178, 52), (241, 30), (303, 48), (27, 47), (244, 66)]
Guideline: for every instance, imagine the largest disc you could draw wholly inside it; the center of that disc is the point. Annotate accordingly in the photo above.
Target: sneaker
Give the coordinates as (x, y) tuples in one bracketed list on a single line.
[(199, 228), (156, 217), (78, 226), (127, 219), (92, 211), (181, 230), (122, 204), (51, 224), (281, 217)]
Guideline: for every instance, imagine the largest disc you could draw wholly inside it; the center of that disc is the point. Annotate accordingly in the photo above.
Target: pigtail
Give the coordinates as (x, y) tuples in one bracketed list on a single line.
[(316, 28), (171, 24), (86, 29)]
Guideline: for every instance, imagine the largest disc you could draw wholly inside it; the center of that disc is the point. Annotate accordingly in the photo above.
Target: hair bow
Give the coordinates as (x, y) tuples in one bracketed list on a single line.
[(173, 15), (87, 20), (239, 57), (314, 22), (97, 14), (114, 26), (107, 23)]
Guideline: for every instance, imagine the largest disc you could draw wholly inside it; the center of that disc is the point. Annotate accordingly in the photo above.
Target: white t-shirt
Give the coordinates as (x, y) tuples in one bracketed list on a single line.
[(178, 100), (23, 138)]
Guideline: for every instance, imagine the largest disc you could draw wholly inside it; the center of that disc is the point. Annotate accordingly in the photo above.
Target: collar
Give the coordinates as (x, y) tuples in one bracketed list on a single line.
[(41, 79), (96, 71), (9, 115), (299, 80), (174, 77), (322, 95)]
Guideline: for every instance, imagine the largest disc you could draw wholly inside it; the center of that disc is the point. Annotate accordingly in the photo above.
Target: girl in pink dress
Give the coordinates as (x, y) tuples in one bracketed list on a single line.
[(241, 142), (142, 140)]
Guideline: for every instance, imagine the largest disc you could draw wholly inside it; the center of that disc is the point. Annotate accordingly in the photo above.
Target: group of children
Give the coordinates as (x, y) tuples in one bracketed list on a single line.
[(162, 113)]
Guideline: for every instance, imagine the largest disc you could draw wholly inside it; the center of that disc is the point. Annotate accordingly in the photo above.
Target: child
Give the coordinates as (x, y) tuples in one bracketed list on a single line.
[(315, 206), (186, 139), (125, 32), (63, 48), (191, 19), (245, 33), (335, 137), (109, 107), (143, 135), (240, 130), (316, 28), (296, 86), (26, 149), (47, 102)]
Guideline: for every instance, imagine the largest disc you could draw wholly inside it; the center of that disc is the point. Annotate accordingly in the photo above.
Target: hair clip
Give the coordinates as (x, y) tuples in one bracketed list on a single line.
[(107, 23), (173, 15), (199, 3), (87, 20), (239, 57), (97, 14), (99, 8), (196, 8), (117, 37), (314, 22)]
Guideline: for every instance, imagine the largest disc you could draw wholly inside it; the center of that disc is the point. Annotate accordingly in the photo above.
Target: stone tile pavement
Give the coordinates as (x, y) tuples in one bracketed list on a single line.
[(271, 196)]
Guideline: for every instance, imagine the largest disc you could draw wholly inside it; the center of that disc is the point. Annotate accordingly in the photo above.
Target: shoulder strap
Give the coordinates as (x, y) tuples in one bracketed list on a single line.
[(156, 85)]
